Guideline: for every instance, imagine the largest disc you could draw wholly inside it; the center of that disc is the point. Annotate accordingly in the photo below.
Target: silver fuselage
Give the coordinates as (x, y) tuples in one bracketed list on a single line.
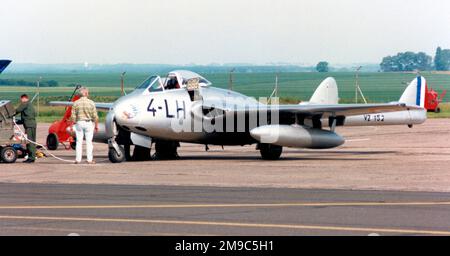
[(178, 115), (175, 115)]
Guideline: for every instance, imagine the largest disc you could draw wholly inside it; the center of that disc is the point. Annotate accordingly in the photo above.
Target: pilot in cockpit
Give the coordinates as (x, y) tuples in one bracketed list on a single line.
[(172, 83)]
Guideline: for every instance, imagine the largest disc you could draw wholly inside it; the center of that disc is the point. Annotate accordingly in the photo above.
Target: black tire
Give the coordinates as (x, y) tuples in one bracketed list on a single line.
[(270, 152), (114, 157), (437, 110), (166, 150), (8, 155), (141, 154), (52, 141), (73, 145)]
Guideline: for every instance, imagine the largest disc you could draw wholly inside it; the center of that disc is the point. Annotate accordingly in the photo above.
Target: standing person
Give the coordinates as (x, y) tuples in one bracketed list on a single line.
[(84, 114), (28, 119)]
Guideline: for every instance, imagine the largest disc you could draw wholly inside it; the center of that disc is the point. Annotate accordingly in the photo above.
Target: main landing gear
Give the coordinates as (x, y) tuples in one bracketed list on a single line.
[(270, 151), (139, 153), (164, 150)]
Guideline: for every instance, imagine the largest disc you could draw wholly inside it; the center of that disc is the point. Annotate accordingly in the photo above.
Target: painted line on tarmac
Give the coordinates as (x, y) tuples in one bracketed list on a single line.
[(356, 140), (234, 224), (105, 232), (69, 230), (325, 204)]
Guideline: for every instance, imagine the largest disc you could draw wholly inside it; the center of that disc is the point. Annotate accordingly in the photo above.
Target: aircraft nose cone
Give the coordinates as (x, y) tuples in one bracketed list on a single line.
[(125, 111), (119, 115)]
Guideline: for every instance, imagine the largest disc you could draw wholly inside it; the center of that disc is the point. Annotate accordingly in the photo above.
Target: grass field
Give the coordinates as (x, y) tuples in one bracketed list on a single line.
[(377, 87), (293, 87)]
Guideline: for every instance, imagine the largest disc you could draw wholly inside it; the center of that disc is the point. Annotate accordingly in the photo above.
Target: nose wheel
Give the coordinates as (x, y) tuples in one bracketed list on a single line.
[(116, 156)]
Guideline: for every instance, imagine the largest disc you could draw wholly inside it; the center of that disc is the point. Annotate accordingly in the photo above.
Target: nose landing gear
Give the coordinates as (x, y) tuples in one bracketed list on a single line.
[(116, 153)]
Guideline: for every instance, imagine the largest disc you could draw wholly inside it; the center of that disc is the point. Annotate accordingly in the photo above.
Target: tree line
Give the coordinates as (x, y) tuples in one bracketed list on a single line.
[(411, 61), (15, 82)]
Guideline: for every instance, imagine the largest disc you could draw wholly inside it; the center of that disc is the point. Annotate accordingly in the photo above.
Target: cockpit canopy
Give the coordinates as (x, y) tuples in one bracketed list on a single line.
[(176, 79)]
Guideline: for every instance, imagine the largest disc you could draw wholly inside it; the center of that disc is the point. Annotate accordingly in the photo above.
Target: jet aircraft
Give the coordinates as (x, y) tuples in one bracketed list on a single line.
[(185, 107)]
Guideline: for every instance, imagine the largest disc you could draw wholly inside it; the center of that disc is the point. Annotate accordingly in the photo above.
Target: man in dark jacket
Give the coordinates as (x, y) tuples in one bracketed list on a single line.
[(28, 116)]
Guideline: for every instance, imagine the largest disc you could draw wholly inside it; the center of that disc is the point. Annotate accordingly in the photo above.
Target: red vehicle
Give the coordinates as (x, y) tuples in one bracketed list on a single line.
[(59, 131), (432, 100)]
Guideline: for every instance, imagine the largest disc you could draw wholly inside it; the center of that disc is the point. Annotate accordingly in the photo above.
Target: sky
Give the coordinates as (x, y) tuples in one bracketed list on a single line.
[(219, 31)]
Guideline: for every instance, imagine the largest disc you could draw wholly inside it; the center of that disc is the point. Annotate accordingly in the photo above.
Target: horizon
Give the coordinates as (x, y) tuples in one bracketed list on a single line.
[(193, 64), (200, 68)]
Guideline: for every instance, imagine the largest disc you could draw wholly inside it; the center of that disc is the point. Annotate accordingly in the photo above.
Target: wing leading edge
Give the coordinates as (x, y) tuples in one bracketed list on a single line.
[(328, 110)]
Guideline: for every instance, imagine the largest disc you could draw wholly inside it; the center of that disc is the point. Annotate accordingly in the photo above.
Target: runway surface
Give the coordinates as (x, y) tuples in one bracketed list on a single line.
[(373, 158), (356, 189), (62, 209)]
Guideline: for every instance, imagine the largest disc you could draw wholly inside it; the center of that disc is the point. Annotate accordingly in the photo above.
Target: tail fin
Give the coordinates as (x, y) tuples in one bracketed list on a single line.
[(4, 64), (414, 94), (326, 92)]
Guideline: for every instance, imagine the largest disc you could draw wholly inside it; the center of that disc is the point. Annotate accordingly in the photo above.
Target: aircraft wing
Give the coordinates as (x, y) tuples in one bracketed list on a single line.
[(98, 105), (329, 110)]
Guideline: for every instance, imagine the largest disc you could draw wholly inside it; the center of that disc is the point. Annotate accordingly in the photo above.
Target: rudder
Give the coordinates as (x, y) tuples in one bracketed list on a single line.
[(414, 94)]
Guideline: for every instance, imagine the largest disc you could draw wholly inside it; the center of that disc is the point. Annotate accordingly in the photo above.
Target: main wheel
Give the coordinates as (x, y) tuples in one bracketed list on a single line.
[(114, 157), (437, 110), (166, 150), (141, 154), (136, 153), (270, 151), (52, 141), (8, 155)]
